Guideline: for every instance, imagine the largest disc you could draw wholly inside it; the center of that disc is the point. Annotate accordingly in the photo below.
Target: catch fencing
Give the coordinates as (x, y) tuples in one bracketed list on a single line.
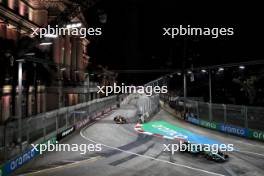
[(246, 121), (45, 125)]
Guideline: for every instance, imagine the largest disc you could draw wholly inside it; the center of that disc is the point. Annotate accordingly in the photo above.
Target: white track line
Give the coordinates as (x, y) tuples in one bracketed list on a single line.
[(149, 157), (63, 166), (71, 164), (245, 143), (248, 152), (223, 138)]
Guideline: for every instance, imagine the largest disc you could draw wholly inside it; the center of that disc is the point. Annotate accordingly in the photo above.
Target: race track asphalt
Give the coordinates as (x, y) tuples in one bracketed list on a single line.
[(126, 152)]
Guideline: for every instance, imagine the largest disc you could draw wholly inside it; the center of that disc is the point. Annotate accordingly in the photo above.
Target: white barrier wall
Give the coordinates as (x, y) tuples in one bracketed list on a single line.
[(147, 105)]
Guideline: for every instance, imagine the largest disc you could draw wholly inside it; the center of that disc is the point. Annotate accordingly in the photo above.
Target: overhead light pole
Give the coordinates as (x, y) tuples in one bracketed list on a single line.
[(210, 85), (87, 76), (184, 92), (210, 94), (184, 85), (20, 93), (60, 83)]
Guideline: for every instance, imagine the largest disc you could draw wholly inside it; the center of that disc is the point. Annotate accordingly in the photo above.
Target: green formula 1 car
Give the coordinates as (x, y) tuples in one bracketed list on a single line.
[(198, 149), (218, 156)]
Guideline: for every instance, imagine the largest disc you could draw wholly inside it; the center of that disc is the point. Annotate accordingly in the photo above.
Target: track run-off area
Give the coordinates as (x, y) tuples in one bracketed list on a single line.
[(127, 152)]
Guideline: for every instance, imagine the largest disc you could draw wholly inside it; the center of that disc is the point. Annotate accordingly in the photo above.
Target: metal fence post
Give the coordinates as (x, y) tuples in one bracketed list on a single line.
[(57, 122), (225, 119), (66, 117), (27, 131), (197, 109), (74, 121), (20, 101), (246, 116), (44, 126), (88, 109), (210, 111)]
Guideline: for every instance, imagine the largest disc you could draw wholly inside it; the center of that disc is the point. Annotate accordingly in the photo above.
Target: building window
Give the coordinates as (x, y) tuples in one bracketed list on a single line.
[(6, 101), (21, 8), (12, 4)]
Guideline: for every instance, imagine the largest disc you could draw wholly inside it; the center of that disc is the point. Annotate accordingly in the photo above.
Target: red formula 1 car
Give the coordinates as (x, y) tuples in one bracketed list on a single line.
[(120, 120)]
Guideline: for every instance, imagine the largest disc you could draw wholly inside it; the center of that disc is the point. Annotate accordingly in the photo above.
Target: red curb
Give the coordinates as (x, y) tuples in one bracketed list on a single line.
[(158, 135), (141, 131)]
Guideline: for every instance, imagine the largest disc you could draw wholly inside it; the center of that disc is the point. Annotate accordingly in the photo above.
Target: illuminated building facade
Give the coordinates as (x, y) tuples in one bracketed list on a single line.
[(68, 83)]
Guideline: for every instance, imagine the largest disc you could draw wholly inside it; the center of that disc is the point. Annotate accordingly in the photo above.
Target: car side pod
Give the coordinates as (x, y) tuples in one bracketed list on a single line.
[(217, 157)]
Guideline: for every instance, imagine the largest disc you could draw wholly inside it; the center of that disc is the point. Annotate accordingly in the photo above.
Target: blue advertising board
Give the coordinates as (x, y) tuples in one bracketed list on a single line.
[(20, 160), (193, 120), (239, 131)]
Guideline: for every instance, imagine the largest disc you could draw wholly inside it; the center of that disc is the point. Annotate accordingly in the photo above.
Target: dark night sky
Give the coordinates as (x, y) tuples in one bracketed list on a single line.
[(132, 36)]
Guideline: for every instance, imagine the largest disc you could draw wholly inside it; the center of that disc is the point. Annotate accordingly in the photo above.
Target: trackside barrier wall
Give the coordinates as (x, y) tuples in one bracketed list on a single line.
[(231, 119), (127, 99), (49, 126), (147, 105), (23, 158)]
